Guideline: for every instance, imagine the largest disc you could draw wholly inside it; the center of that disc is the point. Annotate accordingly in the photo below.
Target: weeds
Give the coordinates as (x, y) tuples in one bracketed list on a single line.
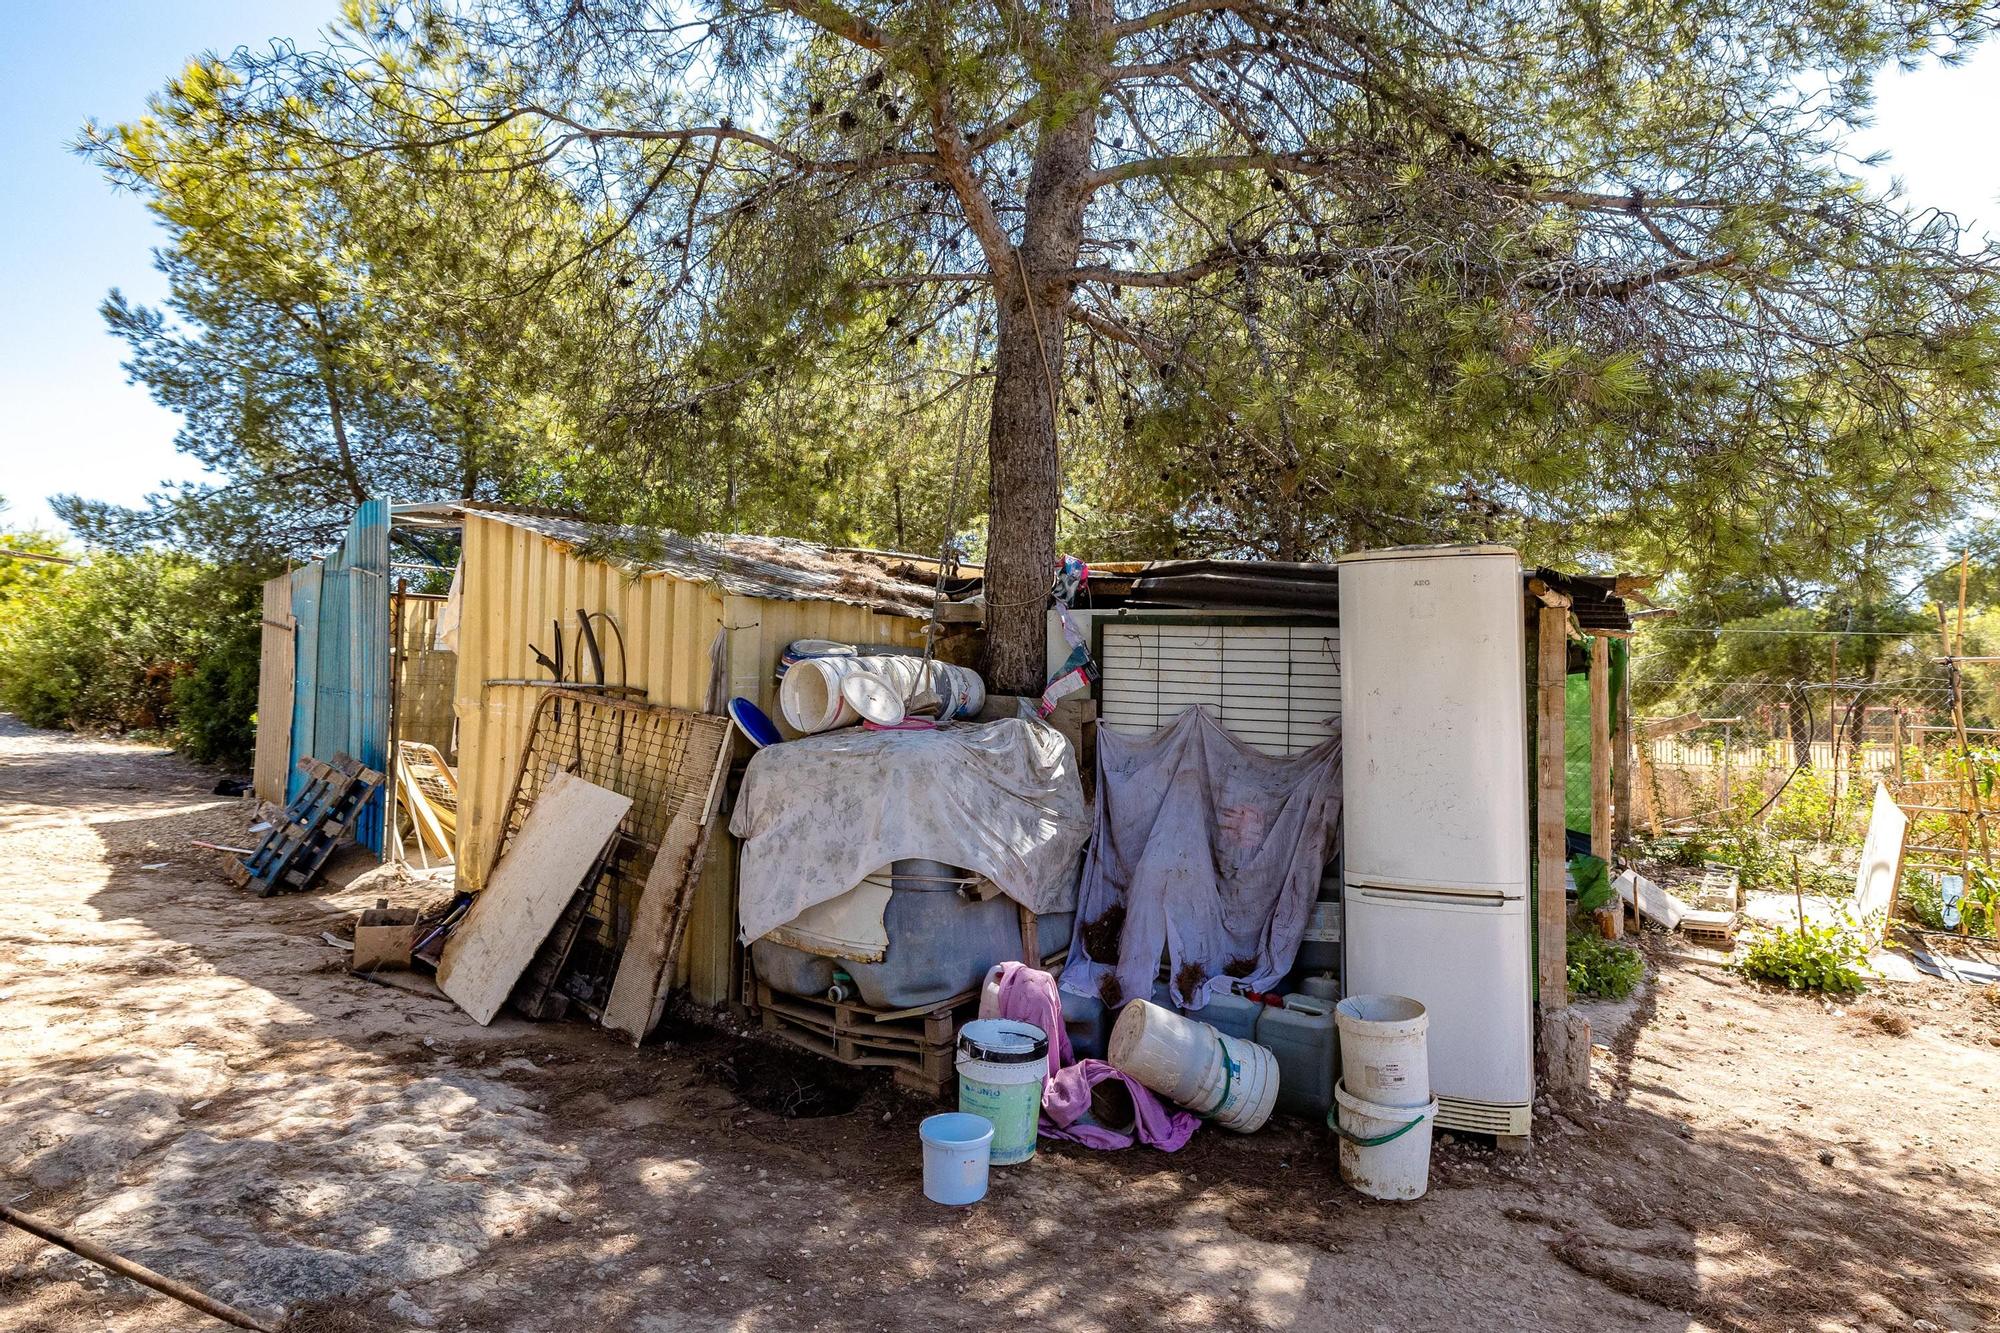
[(1829, 960), (1601, 970)]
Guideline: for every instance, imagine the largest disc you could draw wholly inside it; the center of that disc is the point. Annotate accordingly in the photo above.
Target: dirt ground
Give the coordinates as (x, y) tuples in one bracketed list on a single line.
[(190, 1076)]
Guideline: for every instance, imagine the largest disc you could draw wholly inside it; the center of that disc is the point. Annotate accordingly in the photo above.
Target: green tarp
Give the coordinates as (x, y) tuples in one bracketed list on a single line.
[(1576, 737)]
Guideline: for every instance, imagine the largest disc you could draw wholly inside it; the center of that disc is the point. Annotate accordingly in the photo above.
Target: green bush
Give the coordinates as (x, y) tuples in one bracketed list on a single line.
[(1922, 897), (215, 705), (1828, 959), (1601, 970), (141, 642)]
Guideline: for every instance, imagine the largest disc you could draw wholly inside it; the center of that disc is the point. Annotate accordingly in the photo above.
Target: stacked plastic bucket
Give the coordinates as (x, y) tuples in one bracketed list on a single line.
[(1230, 1081), (1383, 1106)]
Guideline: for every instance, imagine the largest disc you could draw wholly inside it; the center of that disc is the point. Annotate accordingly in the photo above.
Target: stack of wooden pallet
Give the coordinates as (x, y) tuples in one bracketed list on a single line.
[(916, 1043), (301, 839)]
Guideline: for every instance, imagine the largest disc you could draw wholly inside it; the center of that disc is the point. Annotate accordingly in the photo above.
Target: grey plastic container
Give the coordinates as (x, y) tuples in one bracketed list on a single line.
[(1231, 1015), (1304, 1038), (1088, 1023), (941, 942)]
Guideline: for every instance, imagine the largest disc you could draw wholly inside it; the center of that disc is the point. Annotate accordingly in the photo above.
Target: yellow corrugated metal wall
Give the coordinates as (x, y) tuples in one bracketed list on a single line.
[(516, 582)]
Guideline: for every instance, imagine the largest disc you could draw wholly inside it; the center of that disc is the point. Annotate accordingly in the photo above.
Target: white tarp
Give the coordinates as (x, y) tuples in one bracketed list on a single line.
[(1208, 853), (1652, 902), (819, 814)]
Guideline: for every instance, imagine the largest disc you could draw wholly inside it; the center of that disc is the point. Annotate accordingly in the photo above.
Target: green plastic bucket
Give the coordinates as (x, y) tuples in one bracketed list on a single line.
[(1002, 1065)]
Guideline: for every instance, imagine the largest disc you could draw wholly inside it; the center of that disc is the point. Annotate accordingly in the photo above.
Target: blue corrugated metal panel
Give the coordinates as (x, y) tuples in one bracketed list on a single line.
[(305, 648), (342, 699)]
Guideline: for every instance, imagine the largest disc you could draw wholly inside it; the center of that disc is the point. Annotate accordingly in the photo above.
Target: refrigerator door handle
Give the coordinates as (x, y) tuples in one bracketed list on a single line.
[(1419, 897)]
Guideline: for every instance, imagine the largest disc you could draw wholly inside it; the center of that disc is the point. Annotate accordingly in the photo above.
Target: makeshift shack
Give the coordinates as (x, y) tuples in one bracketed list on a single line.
[(671, 620)]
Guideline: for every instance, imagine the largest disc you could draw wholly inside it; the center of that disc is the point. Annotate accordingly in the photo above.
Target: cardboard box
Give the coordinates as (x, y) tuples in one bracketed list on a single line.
[(383, 938)]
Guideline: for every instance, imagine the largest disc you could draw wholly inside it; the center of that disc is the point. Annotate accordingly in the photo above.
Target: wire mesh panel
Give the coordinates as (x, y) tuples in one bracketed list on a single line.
[(666, 760)]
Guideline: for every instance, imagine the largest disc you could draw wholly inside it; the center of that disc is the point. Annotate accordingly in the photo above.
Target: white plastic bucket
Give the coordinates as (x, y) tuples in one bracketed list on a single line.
[(1002, 1067), (956, 1147), (1385, 1151), (1383, 1055), (1175, 1056), (1242, 1086), (810, 693)]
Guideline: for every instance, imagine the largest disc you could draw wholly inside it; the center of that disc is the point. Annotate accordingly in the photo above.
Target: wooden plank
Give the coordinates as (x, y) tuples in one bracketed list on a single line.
[(1621, 762), (1551, 912), (1601, 832), (275, 669), (562, 837), (642, 969)]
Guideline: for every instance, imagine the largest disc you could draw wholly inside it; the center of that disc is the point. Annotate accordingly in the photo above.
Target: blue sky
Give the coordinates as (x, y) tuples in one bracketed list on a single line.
[(68, 420)]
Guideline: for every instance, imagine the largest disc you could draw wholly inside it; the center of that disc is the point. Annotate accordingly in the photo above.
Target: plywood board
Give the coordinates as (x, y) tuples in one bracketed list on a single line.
[(639, 991), (274, 693), (1881, 856), (570, 825)]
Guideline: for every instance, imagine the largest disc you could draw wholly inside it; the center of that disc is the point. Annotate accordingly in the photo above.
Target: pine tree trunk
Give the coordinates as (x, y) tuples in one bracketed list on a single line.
[(1024, 473), (1022, 498)]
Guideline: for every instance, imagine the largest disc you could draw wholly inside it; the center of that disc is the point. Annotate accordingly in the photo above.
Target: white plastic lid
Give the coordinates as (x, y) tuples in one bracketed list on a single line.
[(872, 697)]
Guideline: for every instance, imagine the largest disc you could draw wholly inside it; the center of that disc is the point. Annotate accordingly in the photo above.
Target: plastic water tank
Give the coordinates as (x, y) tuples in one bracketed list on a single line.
[(793, 971), (941, 940)]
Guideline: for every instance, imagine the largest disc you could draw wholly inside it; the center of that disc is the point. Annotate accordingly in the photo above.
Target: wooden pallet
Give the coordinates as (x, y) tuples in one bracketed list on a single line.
[(301, 839), (917, 1045), (1714, 928)]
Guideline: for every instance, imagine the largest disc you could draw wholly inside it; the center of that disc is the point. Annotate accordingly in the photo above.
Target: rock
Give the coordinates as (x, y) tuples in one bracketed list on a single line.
[(403, 1306), (565, 1215)]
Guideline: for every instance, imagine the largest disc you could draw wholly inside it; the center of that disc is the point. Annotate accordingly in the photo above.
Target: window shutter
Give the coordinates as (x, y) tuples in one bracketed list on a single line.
[(1273, 684)]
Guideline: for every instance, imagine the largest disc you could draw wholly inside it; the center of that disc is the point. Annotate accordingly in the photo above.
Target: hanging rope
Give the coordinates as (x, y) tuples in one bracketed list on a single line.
[(947, 561)]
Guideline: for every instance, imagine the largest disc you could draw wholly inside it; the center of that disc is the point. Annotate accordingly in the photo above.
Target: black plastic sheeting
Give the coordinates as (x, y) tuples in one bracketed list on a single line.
[(1246, 585)]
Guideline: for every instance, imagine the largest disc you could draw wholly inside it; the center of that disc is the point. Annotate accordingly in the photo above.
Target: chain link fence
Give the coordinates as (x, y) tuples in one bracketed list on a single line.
[(1706, 746)]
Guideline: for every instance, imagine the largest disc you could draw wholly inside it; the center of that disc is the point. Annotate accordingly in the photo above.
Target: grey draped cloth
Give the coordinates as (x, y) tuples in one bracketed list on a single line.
[(1207, 851), (1002, 799)]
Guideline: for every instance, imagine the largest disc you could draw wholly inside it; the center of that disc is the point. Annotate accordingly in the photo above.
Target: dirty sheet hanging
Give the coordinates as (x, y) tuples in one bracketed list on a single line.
[(816, 815), (1206, 850)]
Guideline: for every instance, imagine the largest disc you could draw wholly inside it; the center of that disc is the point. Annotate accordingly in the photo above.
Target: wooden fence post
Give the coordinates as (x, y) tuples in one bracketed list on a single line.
[(1551, 909)]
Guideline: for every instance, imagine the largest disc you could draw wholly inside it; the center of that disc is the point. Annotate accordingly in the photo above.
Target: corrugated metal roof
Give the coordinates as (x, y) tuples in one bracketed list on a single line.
[(748, 566)]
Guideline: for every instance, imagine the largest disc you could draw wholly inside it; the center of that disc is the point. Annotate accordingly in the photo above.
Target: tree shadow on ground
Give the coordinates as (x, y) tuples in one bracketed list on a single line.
[(293, 1136)]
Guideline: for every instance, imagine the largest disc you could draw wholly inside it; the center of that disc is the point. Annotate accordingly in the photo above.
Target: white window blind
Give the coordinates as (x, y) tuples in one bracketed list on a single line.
[(1274, 685)]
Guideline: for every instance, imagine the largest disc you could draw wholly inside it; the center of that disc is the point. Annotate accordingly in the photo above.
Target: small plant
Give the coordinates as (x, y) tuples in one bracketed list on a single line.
[(1827, 959), (1922, 897), (1601, 970)]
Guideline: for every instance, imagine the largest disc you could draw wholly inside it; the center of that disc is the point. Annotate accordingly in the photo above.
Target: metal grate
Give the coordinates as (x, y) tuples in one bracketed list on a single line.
[(666, 760), (1274, 684)]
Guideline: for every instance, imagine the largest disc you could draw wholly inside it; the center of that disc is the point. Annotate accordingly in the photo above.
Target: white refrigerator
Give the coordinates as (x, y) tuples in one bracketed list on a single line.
[(1435, 814)]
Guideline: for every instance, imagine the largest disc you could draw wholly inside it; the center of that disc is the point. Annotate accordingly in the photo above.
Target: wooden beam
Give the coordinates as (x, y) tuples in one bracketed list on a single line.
[(1600, 747), (1547, 596), (1658, 728), (1551, 777), (1621, 762), (958, 613)]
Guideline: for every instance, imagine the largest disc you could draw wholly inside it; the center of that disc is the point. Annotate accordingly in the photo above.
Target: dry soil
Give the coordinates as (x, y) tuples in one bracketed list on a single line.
[(189, 1075)]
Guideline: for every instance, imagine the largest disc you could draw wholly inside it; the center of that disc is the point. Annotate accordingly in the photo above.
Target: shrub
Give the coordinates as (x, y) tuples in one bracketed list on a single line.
[(215, 705), (1922, 897), (1601, 970), (138, 642), (1828, 959)]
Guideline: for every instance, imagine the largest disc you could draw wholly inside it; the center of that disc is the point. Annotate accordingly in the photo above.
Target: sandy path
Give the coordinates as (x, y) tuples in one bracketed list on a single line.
[(187, 1074)]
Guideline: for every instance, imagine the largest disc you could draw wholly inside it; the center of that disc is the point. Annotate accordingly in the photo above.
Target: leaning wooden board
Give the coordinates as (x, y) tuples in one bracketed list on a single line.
[(569, 827)]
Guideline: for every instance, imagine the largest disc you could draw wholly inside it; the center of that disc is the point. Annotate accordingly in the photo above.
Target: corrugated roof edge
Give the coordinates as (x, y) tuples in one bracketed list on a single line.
[(782, 568)]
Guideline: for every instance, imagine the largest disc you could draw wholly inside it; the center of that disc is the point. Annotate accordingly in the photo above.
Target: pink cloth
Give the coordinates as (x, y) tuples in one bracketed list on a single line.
[(1028, 995), (1068, 1097)]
